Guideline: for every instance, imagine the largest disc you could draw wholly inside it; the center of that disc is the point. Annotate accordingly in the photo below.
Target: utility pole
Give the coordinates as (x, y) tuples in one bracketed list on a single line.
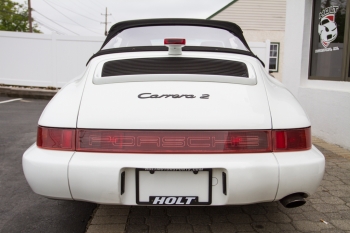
[(105, 23), (30, 16)]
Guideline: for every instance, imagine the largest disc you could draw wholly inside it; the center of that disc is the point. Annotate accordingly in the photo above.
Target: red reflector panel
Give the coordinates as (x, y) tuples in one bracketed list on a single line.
[(130, 141), (280, 139), (292, 139), (56, 139), (174, 41)]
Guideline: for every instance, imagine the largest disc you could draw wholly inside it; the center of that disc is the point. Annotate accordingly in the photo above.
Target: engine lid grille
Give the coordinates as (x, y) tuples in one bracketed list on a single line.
[(175, 65)]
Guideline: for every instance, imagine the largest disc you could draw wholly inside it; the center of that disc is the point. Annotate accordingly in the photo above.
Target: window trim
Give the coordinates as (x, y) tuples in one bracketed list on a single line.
[(346, 56), (278, 57)]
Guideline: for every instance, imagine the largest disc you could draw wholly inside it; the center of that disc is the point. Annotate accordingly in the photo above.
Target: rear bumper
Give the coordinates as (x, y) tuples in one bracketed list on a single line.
[(96, 177)]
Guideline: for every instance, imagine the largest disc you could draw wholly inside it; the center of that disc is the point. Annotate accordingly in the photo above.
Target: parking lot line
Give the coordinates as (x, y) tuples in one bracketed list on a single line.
[(7, 101)]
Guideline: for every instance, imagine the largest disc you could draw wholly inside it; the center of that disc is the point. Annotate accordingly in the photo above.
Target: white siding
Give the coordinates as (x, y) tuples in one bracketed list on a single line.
[(265, 15)]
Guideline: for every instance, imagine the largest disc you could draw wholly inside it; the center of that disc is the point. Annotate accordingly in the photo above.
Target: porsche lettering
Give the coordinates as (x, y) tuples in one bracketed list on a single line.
[(139, 141)]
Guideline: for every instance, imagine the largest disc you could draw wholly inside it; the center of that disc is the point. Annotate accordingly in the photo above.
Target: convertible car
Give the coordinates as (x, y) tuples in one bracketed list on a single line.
[(174, 112)]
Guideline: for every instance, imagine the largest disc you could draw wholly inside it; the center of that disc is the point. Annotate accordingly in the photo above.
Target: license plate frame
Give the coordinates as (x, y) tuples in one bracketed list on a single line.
[(137, 176)]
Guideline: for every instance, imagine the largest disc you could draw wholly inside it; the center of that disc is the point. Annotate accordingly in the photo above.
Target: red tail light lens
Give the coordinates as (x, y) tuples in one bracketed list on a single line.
[(56, 138), (129, 141), (153, 141), (174, 41), (292, 139)]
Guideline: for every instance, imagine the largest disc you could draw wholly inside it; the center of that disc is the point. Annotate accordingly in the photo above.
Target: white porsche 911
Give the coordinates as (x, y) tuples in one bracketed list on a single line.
[(174, 112)]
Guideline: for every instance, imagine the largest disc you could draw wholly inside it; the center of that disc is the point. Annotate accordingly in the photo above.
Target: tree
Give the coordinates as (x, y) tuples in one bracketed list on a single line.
[(14, 17)]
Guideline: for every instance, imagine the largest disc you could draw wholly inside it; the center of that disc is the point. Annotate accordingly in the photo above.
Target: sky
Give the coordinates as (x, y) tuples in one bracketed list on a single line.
[(84, 17)]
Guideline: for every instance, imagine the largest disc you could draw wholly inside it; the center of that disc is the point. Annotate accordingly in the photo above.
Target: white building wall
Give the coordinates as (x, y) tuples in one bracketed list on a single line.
[(326, 102), (260, 21)]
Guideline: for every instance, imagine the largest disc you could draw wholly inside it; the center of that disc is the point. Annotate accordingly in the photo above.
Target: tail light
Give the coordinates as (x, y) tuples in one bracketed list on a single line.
[(129, 141), (56, 138), (291, 139), (174, 45), (179, 41), (182, 141)]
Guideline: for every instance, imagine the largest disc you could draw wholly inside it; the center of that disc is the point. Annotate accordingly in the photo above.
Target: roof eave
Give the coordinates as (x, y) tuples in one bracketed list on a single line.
[(222, 9)]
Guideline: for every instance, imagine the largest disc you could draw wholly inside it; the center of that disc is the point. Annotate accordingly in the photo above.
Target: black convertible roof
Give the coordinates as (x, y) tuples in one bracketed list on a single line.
[(119, 27)]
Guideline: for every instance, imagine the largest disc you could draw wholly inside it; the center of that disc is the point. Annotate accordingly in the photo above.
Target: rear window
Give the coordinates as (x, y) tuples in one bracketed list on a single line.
[(194, 35)]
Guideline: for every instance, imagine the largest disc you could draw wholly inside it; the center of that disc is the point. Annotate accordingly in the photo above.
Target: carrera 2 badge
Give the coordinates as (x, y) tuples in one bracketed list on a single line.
[(174, 96)]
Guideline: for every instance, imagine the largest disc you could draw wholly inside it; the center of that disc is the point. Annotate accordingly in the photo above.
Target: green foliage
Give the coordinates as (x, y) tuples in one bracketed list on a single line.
[(14, 17)]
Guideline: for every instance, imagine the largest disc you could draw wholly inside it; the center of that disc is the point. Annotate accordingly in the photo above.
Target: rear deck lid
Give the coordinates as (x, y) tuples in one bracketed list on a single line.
[(174, 105)]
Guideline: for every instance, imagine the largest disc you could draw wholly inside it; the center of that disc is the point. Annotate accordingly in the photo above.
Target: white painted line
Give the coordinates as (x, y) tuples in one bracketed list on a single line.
[(26, 101), (7, 101)]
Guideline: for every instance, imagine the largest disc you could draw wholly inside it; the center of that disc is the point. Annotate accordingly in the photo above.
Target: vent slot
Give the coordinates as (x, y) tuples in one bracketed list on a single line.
[(122, 183), (224, 187), (175, 65)]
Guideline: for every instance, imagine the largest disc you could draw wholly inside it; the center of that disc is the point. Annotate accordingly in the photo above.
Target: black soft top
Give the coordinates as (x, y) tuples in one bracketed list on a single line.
[(119, 27)]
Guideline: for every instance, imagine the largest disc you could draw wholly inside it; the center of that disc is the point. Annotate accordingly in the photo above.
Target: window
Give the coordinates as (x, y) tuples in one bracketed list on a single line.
[(194, 35), (329, 55), (274, 56)]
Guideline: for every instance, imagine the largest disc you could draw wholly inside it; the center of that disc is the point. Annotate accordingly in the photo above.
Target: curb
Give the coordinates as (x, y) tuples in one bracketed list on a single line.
[(338, 150), (27, 93)]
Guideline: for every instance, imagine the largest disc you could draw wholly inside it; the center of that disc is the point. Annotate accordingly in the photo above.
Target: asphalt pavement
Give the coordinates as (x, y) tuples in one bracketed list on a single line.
[(21, 210)]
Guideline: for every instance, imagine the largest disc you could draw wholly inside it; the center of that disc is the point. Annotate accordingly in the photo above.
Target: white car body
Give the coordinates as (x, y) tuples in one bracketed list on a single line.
[(258, 102)]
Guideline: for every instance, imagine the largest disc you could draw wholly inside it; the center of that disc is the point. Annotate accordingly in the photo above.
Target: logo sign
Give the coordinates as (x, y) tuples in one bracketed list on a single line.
[(174, 200), (327, 27)]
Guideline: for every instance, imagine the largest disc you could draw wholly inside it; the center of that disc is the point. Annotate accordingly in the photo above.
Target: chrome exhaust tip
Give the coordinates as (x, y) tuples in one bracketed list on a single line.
[(294, 200)]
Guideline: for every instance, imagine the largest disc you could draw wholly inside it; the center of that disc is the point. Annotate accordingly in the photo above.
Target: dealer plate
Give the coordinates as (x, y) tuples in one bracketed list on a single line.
[(173, 186), (171, 200)]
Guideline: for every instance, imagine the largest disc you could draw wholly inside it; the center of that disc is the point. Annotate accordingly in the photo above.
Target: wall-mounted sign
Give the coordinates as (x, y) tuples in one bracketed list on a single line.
[(328, 44), (327, 28)]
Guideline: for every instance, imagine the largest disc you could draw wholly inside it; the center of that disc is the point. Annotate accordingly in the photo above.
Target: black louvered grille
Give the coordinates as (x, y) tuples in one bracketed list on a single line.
[(174, 65)]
